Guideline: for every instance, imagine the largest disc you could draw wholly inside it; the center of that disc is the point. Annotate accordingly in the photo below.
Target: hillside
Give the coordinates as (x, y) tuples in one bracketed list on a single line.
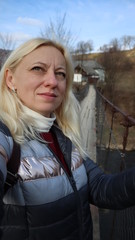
[(128, 53)]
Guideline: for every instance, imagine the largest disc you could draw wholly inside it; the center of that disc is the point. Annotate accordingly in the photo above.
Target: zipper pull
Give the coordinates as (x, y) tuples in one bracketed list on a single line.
[(73, 183)]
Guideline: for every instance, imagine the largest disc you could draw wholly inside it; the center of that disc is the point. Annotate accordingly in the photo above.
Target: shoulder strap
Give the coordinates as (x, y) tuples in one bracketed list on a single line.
[(12, 167), (14, 161)]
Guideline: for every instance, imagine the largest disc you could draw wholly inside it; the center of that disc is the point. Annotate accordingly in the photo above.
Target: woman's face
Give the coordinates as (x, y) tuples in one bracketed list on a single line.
[(40, 80)]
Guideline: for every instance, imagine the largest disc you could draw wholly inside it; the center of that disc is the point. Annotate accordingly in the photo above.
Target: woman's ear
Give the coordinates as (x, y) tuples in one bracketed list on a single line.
[(9, 79)]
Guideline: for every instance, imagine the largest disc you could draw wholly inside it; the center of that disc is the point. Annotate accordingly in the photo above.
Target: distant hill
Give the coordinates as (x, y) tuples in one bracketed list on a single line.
[(129, 53)]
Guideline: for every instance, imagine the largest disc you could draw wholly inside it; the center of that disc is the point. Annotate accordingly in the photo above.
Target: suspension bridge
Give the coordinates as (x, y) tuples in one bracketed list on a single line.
[(108, 137)]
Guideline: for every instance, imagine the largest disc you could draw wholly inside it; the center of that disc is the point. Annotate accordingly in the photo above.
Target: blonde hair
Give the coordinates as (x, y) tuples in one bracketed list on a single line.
[(11, 108)]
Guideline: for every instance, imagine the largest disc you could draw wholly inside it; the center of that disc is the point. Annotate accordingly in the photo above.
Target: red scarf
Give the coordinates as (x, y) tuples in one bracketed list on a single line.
[(54, 145)]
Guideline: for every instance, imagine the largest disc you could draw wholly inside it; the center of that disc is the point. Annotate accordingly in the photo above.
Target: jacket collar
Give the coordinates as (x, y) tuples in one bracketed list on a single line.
[(64, 143)]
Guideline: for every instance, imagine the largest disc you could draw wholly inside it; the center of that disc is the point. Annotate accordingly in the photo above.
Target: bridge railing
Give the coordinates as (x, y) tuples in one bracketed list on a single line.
[(115, 152), (112, 116)]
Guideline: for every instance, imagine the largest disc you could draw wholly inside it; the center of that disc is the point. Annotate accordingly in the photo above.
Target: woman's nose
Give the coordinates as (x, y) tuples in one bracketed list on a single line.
[(51, 79)]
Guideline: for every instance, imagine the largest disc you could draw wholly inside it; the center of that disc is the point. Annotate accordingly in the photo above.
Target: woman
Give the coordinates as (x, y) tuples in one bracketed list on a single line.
[(56, 180)]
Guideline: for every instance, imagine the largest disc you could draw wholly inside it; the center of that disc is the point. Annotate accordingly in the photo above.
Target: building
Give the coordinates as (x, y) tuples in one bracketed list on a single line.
[(88, 71)]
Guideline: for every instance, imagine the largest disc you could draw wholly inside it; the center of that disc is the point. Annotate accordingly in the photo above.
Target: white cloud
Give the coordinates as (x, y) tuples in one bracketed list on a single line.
[(20, 36), (17, 36), (29, 21)]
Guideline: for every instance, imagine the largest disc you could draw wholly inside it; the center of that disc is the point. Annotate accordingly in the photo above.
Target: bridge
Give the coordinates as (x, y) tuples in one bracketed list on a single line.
[(109, 137)]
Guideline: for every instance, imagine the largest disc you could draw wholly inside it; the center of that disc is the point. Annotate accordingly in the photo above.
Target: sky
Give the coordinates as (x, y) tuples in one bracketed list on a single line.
[(99, 21)]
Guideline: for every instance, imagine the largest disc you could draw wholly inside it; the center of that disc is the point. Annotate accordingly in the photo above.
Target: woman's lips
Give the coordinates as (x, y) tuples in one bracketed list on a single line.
[(47, 94)]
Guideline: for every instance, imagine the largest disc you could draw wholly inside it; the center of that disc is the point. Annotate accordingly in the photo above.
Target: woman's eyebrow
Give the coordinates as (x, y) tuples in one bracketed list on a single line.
[(61, 68), (41, 63)]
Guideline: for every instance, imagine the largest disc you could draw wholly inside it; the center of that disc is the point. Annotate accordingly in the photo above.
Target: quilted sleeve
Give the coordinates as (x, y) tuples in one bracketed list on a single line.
[(112, 191), (6, 146), (1, 196)]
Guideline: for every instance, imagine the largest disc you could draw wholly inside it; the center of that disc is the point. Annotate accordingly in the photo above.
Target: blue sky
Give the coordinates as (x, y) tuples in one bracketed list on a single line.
[(96, 20)]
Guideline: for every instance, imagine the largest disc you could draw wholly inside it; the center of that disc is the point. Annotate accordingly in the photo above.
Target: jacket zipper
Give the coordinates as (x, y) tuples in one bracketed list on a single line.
[(73, 184)]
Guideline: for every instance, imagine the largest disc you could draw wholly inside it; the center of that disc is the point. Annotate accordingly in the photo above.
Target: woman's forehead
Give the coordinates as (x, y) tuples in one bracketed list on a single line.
[(45, 53)]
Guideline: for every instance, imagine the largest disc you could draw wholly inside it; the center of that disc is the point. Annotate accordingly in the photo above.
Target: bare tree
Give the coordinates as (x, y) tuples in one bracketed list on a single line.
[(104, 48), (57, 30), (82, 49), (124, 43), (128, 42), (6, 41), (114, 45)]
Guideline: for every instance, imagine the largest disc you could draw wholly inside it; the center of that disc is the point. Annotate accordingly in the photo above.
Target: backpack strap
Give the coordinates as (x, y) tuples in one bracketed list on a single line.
[(14, 161), (12, 167)]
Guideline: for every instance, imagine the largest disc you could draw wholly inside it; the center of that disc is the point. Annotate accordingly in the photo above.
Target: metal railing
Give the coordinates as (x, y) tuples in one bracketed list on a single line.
[(128, 121), (119, 224)]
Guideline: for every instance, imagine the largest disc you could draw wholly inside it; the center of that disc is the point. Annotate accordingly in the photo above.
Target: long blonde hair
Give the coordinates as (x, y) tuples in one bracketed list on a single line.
[(11, 108)]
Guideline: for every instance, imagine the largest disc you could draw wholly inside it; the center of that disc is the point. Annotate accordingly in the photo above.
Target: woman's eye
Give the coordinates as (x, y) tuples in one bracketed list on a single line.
[(37, 68), (60, 75)]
